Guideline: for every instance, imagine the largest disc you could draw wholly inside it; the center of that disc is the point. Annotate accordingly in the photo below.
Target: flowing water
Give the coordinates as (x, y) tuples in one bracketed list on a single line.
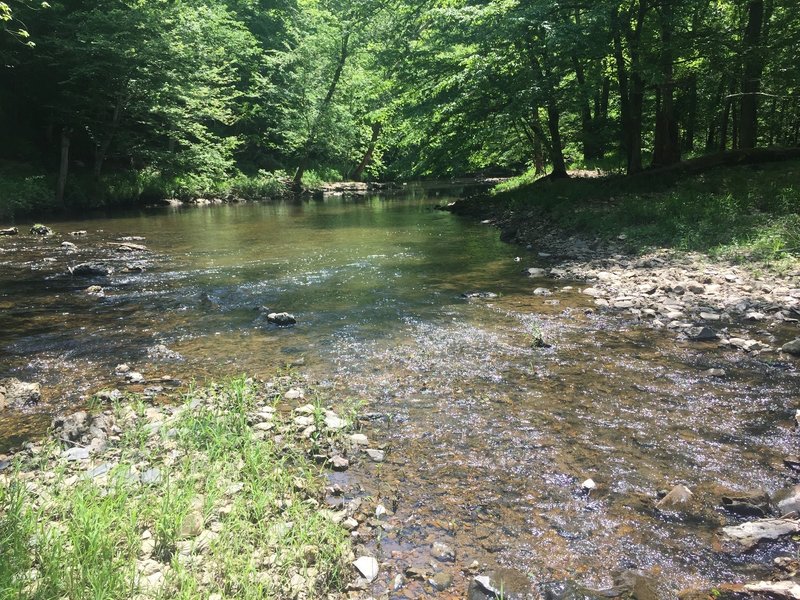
[(487, 437)]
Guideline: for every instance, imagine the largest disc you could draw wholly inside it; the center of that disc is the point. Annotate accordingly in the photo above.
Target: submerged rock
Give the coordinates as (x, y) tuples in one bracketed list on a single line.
[(787, 500), (753, 503), (479, 294), (507, 584), (91, 270)]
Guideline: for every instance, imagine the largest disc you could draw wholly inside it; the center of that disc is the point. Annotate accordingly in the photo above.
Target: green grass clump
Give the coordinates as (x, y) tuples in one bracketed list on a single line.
[(67, 534), (740, 213)]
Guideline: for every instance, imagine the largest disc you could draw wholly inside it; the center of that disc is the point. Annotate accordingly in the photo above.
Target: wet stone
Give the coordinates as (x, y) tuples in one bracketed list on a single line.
[(282, 319), (792, 347), (754, 532), (441, 581), (91, 270), (701, 334), (678, 498), (442, 552)]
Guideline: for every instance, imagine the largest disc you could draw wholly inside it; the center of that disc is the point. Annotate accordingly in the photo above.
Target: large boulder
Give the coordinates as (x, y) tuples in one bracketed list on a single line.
[(16, 393)]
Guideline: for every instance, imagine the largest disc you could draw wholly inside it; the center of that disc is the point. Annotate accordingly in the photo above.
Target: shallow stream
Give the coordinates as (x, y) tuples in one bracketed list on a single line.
[(487, 437)]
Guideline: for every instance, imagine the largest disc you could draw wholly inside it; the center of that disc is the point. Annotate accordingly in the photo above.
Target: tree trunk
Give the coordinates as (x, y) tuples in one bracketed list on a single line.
[(367, 158), (101, 150), (691, 116), (751, 84), (637, 91), (556, 151), (66, 134), (623, 85), (666, 146), (323, 108)]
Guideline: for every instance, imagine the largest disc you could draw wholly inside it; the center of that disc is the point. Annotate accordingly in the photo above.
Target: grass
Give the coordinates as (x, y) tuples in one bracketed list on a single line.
[(255, 496), (745, 213)]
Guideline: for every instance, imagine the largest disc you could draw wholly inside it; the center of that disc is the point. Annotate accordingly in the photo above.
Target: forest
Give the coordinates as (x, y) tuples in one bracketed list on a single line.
[(119, 101)]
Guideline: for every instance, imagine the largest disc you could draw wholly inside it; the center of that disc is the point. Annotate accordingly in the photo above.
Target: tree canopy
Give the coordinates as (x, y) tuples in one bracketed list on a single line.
[(193, 91)]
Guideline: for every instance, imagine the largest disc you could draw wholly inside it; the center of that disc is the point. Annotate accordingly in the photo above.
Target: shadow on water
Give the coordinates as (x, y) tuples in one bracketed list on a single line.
[(488, 438)]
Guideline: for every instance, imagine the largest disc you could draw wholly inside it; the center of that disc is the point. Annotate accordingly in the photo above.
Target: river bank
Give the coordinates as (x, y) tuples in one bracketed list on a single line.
[(218, 494)]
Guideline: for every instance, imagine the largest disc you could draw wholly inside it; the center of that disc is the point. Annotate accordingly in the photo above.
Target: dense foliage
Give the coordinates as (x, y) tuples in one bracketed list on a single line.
[(120, 99)]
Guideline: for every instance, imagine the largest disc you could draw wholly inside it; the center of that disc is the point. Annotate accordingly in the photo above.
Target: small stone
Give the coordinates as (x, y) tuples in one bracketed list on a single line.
[(701, 334), (192, 524), (283, 319), (540, 291), (707, 316), (678, 497), (376, 455), (134, 377), (359, 439), (716, 372), (75, 454), (441, 581), (91, 270), (296, 394), (334, 422), (792, 347), (398, 582), (536, 272), (340, 463), (151, 476), (368, 567), (443, 552), (588, 485), (39, 229), (69, 246)]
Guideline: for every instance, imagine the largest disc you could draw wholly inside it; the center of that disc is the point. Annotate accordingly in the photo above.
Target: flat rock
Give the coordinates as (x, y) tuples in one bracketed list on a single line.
[(376, 455), (9, 231), (359, 439), (775, 589), (481, 295), (367, 566), (76, 453), (536, 272), (751, 533)]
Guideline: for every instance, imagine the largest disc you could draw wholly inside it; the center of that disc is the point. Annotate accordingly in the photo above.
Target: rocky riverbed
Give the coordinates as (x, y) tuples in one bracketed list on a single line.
[(750, 307)]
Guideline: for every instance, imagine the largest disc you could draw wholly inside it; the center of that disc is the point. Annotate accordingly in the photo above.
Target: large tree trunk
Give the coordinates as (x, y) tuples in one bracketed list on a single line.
[(367, 158), (623, 85), (666, 146), (66, 134), (751, 84), (305, 155), (637, 90)]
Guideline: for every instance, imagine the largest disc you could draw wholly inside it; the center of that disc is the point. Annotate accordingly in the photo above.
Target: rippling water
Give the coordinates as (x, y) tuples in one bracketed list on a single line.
[(488, 438)]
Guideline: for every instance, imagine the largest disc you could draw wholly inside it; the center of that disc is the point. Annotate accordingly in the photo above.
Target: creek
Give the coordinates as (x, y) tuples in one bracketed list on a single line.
[(487, 437)]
